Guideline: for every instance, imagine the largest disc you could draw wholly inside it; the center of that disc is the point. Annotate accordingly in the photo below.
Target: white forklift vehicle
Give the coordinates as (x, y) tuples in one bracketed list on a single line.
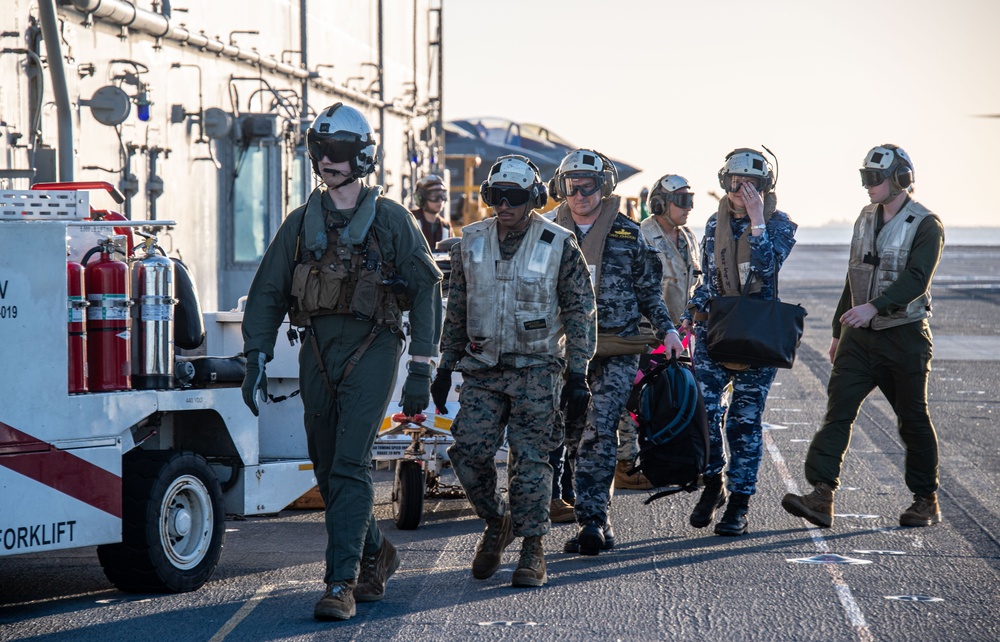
[(104, 440)]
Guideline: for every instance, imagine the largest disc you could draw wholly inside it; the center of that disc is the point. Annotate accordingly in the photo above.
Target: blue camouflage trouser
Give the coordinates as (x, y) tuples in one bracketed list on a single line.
[(592, 440), (741, 414)]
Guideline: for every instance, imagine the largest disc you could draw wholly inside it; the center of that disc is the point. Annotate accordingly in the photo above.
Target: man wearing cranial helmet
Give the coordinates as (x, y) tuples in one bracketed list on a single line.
[(430, 195), (520, 321), (745, 244), (881, 338), (626, 275), (670, 202)]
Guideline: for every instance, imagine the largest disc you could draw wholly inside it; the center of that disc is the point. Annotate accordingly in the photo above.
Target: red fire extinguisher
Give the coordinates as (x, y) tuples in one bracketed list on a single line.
[(76, 303), (109, 324)]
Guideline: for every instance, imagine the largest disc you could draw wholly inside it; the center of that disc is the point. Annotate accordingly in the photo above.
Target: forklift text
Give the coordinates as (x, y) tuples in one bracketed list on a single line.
[(21, 537)]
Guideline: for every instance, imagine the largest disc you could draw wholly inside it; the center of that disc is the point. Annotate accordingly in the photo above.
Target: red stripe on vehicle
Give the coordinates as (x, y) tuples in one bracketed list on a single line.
[(60, 470)]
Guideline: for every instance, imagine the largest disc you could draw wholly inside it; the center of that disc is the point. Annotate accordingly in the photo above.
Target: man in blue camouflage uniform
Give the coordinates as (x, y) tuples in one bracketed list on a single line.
[(626, 274), (747, 235), (520, 314)]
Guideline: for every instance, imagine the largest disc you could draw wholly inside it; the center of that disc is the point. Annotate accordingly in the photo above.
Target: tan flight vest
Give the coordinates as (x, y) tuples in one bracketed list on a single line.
[(679, 277), (876, 262), (347, 280), (513, 305)]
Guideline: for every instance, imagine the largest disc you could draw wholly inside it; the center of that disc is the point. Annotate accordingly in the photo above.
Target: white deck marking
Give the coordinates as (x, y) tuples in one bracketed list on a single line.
[(854, 615)]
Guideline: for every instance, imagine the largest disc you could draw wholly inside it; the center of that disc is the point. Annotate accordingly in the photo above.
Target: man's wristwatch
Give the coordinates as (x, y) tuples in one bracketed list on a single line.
[(762, 226)]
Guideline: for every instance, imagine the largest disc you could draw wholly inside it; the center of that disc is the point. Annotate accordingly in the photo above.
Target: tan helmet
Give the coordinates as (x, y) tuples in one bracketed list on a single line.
[(426, 185)]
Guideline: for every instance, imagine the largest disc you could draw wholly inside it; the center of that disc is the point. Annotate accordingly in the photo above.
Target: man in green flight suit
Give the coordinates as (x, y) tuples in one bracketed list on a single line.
[(344, 266), (882, 339)]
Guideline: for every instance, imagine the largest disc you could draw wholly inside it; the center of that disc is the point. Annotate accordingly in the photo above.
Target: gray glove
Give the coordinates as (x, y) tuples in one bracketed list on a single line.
[(417, 387), (255, 380)]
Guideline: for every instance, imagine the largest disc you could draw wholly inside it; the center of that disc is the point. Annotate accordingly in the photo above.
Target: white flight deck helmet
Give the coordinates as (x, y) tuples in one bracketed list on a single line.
[(663, 192), (888, 162), (342, 133), (747, 162), (520, 171), (584, 163)]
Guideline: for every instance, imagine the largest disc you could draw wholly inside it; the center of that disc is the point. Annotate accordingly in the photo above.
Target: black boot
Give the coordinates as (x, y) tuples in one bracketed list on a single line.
[(734, 520), (712, 497)]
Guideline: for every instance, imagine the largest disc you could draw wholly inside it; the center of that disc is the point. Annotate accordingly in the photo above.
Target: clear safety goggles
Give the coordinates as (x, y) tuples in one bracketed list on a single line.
[(871, 177), (515, 196), (734, 181), (585, 185), (683, 200)]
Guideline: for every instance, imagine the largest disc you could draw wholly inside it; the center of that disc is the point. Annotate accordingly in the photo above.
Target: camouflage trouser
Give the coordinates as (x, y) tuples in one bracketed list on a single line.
[(592, 440), (526, 401), (742, 415), (628, 438)]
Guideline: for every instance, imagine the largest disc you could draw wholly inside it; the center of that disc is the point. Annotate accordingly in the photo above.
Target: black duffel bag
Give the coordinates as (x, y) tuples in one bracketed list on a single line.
[(755, 332)]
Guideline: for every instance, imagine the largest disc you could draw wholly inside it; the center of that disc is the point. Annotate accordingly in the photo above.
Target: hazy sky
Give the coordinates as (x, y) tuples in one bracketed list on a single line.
[(672, 87)]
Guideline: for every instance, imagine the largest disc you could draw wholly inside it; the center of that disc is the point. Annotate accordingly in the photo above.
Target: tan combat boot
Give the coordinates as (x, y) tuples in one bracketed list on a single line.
[(816, 507), (498, 535), (561, 512), (626, 481), (375, 570), (924, 511), (337, 602), (530, 569)]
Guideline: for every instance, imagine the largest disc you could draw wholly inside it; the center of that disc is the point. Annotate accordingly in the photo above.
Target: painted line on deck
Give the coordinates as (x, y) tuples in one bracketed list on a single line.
[(241, 614), (855, 616)]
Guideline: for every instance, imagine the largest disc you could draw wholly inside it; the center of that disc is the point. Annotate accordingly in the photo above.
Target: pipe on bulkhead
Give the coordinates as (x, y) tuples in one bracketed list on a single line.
[(157, 25), (53, 50)]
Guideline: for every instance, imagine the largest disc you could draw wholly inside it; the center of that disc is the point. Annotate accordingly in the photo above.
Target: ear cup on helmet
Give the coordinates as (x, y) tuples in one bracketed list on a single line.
[(656, 207), (553, 190), (539, 196), (902, 177)]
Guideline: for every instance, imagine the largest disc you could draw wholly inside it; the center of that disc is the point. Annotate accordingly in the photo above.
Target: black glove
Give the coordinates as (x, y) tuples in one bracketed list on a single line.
[(416, 388), (254, 380), (440, 389), (575, 396)]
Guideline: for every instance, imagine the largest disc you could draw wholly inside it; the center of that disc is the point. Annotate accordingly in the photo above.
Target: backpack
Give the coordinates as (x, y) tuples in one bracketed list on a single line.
[(673, 425)]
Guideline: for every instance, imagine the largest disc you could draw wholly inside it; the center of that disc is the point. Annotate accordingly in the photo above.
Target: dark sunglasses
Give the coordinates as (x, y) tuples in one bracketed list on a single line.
[(337, 151), (871, 177), (433, 197), (736, 181), (515, 196), (684, 200)]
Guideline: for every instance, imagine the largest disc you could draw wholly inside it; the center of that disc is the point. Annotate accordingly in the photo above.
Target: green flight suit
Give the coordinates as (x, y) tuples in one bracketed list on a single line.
[(897, 361), (340, 432)]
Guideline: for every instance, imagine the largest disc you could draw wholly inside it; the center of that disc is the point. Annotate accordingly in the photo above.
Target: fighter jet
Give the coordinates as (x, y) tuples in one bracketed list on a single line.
[(490, 138)]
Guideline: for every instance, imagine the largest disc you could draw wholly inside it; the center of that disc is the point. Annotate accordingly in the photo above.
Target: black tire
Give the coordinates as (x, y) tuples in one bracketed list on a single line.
[(408, 495), (173, 524)]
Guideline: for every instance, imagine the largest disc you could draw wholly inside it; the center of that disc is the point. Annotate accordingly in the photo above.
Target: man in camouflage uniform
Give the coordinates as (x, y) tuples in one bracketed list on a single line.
[(520, 314), (342, 266), (747, 235), (626, 276), (666, 231)]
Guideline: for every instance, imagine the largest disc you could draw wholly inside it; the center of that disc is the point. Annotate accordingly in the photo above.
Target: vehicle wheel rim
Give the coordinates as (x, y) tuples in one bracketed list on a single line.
[(186, 522)]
